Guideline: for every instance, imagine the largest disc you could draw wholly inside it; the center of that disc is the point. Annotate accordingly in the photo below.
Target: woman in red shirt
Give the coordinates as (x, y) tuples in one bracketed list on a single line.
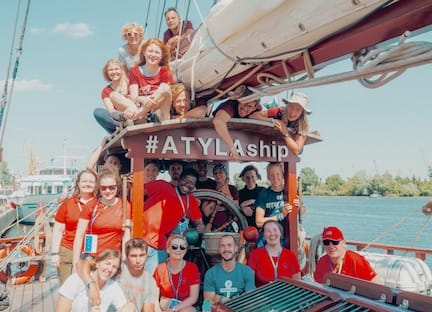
[(272, 260), (66, 220), (149, 82), (178, 280), (102, 227)]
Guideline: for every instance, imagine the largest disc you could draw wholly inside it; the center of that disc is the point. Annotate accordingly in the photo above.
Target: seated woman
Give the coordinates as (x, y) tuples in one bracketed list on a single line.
[(216, 216), (272, 260), (129, 53), (149, 82), (290, 120), (181, 104), (114, 96), (178, 280), (74, 293), (233, 109)]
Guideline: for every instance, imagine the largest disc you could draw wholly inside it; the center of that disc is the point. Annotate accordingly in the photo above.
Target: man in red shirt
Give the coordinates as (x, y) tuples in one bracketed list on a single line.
[(168, 210), (340, 260)]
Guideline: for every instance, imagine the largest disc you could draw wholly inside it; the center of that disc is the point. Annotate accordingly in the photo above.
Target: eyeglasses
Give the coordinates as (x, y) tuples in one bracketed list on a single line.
[(108, 187), (175, 247), (327, 242), (130, 34)]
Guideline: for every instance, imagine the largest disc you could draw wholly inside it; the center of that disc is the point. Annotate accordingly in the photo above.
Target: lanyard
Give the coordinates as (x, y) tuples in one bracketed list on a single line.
[(185, 210), (275, 265), (175, 289), (338, 267), (94, 215)]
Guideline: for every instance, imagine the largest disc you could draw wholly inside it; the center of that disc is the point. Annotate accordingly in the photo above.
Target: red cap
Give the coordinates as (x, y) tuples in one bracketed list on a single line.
[(332, 233)]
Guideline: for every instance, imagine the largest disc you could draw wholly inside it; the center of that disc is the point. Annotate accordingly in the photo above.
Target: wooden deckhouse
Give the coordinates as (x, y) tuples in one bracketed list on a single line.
[(193, 139)]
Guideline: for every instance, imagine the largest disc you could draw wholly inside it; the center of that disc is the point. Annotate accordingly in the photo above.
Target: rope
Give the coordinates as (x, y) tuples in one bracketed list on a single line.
[(19, 51), (398, 58), (147, 15), (419, 232), (41, 221), (391, 229)]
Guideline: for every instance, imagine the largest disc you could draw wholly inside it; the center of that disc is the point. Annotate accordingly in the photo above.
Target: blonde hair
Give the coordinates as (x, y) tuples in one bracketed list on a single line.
[(300, 125), (124, 80), (166, 57), (132, 26)]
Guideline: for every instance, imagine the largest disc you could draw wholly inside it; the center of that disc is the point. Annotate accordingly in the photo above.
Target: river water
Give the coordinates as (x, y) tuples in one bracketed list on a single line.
[(366, 219)]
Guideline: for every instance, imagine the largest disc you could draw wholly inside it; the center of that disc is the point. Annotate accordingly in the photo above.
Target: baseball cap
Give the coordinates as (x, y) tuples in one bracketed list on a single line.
[(332, 233)]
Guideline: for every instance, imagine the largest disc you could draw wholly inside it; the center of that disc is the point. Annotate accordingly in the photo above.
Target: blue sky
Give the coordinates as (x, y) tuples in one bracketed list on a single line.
[(59, 83)]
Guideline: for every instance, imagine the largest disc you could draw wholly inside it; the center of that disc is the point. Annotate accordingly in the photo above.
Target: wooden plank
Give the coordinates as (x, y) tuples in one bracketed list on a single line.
[(34, 296)]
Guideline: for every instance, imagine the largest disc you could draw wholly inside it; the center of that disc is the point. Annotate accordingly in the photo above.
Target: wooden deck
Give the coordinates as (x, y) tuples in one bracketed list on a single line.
[(35, 296)]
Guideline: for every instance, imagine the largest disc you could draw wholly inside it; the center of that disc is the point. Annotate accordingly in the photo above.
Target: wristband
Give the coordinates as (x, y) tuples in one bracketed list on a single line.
[(90, 283), (54, 254), (287, 135)]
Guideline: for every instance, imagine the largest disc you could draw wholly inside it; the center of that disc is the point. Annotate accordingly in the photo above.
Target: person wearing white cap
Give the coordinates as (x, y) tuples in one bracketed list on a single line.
[(290, 120)]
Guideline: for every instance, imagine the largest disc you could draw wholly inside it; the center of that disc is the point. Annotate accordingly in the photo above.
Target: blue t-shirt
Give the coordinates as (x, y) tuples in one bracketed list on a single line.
[(229, 284)]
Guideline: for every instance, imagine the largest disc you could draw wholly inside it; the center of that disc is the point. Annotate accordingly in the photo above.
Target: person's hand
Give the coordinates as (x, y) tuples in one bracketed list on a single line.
[(281, 126), (94, 295), (95, 308), (301, 208), (234, 154), (200, 227), (287, 208), (55, 261), (246, 207), (130, 111)]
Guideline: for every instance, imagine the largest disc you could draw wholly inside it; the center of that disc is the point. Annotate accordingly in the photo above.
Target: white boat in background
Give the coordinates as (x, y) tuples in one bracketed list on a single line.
[(41, 188)]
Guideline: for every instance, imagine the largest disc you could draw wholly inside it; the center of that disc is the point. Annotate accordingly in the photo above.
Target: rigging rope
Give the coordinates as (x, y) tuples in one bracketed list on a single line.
[(391, 229), (7, 99)]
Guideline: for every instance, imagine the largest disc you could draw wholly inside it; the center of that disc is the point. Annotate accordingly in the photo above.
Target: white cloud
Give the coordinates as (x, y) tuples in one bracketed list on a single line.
[(28, 85), (79, 30)]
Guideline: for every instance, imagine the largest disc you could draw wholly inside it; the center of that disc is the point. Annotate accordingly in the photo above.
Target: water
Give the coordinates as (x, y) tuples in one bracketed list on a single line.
[(364, 219)]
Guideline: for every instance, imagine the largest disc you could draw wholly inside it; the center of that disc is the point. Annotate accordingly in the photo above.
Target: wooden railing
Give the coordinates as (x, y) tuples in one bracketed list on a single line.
[(419, 253)]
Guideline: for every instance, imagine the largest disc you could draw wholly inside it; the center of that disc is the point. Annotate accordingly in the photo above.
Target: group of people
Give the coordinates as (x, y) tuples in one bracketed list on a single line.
[(142, 88), (92, 241)]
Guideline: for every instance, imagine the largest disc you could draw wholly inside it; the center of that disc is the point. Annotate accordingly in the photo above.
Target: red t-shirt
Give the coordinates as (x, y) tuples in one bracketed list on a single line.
[(137, 77), (354, 265), (189, 276), (259, 261), (68, 213), (106, 91), (106, 222), (163, 211)]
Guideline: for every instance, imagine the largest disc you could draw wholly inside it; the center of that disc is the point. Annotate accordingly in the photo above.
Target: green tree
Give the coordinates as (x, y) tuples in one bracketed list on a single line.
[(6, 179), (310, 180), (334, 183)]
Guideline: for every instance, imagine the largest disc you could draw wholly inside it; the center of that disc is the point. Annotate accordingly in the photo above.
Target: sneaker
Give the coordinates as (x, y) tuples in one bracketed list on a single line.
[(117, 116)]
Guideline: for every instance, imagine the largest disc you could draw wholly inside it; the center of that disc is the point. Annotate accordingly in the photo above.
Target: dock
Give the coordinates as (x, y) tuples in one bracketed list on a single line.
[(35, 296)]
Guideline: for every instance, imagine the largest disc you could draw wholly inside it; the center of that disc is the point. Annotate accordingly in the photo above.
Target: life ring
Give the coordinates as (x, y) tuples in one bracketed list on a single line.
[(21, 277)]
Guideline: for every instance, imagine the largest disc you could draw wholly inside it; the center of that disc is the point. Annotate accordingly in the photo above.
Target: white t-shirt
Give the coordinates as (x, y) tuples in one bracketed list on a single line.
[(75, 290)]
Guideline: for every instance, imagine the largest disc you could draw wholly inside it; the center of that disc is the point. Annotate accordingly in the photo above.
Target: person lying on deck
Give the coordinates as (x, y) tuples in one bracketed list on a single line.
[(234, 108), (290, 120), (181, 104)]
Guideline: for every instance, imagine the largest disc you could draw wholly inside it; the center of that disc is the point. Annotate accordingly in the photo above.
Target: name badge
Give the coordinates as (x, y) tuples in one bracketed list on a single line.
[(90, 243)]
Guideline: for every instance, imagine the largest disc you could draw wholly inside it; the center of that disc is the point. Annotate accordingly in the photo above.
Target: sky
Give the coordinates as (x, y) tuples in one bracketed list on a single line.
[(59, 81)]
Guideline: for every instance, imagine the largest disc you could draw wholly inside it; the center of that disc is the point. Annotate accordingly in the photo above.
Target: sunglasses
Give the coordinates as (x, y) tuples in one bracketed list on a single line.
[(130, 34), (108, 187), (175, 247), (327, 242)]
